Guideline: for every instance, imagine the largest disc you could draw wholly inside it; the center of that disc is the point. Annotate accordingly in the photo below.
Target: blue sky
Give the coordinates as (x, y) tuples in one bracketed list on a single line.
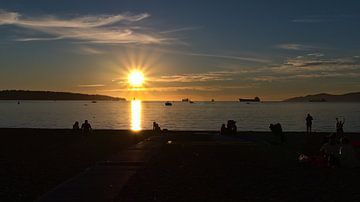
[(203, 49)]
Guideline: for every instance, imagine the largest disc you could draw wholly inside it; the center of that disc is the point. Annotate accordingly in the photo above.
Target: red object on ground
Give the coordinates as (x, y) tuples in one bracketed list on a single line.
[(317, 161), (355, 143)]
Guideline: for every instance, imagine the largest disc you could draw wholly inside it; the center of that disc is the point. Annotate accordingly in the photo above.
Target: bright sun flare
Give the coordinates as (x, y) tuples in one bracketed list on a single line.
[(136, 78)]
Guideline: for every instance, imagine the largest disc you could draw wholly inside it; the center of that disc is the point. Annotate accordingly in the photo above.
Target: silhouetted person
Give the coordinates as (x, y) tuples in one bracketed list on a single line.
[(347, 154), (76, 126), (309, 120), (86, 127), (330, 151), (156, 127), (340, 127), (276, 129), (223, 130), (231, 127)]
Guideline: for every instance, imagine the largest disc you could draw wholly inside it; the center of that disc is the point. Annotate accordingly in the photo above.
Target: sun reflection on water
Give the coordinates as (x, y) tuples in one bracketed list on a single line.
[(135, 115)]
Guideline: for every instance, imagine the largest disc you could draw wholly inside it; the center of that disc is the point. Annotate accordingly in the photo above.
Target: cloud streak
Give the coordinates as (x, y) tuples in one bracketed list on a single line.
[(296, 47), (249, 59), (90, 85), (196, 77), (105, 29), (312, 66)]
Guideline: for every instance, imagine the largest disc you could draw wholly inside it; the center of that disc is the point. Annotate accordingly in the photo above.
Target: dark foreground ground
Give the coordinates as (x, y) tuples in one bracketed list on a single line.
[(34, 161), (196, 167)]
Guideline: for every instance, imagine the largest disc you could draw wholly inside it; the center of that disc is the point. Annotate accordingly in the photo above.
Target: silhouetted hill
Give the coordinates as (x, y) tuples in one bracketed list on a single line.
[(48, 95), (324, 97)]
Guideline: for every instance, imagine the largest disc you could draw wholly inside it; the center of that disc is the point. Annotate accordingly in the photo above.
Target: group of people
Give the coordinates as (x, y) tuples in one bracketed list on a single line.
[(339, 125), (85, 127), (229, 129), (335, 152)]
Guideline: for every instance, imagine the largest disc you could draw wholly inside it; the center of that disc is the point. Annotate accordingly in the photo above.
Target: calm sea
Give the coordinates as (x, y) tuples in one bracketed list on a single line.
[(180, 116)]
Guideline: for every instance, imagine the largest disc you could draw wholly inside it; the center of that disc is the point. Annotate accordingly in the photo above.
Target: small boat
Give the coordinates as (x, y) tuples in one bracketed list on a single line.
[(93, 101), (256, 99), (168, 104), (212, 100), (18, 102), (317, 100), (191, 102), (185, 100)]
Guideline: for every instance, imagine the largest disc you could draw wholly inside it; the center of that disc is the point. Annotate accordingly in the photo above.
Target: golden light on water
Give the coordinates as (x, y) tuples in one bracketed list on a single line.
[(135, 115)]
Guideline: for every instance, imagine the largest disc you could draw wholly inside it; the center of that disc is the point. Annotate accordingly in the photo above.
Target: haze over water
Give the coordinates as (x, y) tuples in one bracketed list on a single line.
[(180, 116)]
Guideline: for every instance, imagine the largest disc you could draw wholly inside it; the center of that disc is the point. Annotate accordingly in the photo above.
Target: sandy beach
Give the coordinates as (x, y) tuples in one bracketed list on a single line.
[(34, 161), (253, 167), (192, 166)]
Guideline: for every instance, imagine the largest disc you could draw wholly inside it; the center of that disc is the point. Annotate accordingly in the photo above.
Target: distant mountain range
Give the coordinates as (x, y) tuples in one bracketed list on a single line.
[(49, 95), (324, 97)]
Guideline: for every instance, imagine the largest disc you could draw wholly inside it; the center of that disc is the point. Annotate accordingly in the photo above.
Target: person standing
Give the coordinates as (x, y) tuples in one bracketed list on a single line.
[(309, 120), (86, 127), (340, 127)]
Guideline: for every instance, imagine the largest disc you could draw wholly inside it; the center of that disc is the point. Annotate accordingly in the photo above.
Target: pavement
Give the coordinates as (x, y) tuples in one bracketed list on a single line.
[(103, 181)]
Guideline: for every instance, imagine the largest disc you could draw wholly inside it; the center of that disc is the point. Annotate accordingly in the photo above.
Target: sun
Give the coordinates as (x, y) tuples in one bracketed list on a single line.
[(136, 78)]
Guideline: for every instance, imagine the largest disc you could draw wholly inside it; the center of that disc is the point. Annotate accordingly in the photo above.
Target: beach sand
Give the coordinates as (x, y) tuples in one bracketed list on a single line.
[(34, 161), (193, 166), (254, 167)]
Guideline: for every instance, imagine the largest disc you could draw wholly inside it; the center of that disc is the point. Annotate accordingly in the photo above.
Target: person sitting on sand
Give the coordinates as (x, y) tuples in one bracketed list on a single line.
[(86, 127), (231, 127), (76, 126), (330, 151), (276, 129), (309, 120), (223, 129), (347, 154), (156, 127)]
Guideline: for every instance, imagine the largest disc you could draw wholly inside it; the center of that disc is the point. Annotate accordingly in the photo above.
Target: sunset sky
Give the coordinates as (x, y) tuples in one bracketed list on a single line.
[(197, 49)]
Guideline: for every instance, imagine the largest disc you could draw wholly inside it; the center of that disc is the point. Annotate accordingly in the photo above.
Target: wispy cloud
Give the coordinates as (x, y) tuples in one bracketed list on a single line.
[(196, 77), (316, 54), (90, 85), (324, 18), (180, 29), (296, 47), (209, 88), (107, 29), (310, 66), (309, 20), (89, 51), (249, 59)]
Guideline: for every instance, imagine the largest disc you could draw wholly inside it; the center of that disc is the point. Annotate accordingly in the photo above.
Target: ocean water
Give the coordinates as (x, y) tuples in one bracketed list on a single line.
[(180, 116)]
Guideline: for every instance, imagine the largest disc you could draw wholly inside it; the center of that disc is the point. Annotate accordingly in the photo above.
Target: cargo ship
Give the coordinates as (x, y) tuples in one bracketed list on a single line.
[(256, 99)]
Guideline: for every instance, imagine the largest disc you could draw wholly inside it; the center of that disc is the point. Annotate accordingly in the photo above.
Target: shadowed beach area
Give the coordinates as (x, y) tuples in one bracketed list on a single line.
[(34, 161), (189, 166), (252, 167)]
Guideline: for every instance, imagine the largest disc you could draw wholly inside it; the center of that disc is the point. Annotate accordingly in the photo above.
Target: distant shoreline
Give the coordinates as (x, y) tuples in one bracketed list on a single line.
[(53, 96)]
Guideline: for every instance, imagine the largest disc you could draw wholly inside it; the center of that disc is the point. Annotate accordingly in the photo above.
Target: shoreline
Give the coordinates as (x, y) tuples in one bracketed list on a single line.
[(64, 131)]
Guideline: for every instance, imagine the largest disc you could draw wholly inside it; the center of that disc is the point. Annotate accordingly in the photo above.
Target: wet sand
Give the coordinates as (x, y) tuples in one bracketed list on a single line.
[(197, 167), (33, 161)]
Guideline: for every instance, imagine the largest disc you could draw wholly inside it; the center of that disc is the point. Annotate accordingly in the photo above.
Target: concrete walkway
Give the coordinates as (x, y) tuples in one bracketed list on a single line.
[(103, 181)]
